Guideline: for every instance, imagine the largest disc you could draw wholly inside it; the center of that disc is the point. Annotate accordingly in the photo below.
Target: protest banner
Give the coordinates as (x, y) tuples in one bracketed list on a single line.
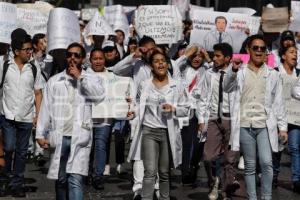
[(33, 21), (246, 57), (8, 20), (63, 29), (98, 26), (231, 25), (295, 18), (182, 5), (116, 18), (162, 23), (275, 19), (114, 105), (242, 10), (88, 13)]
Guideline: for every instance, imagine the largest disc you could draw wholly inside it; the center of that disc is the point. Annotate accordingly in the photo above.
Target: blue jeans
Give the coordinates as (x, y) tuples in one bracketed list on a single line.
[(101, 136), (68, 186), (16, 139), (255, 140), (294, 148)]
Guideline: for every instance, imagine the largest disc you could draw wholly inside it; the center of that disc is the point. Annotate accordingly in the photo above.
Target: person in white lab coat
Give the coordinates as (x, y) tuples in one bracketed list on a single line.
[(66, 110)]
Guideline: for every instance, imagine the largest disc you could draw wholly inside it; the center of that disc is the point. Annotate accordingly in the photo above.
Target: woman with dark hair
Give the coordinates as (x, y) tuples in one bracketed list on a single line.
[(288, 58), (160, 100)]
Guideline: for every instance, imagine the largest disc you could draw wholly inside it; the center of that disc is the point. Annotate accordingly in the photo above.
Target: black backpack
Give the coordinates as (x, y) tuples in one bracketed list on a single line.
[(5, 68)]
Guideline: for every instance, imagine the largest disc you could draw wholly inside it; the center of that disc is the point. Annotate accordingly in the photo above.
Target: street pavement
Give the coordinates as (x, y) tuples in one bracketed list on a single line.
[(118, 187)]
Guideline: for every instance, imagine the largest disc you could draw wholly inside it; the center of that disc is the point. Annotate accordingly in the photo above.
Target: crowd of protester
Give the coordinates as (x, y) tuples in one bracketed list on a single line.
[(188, 105)]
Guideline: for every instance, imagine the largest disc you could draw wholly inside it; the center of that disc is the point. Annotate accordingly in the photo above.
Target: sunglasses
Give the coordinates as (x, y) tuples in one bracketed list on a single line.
[(76, 55), (259, 48), (27, 49)]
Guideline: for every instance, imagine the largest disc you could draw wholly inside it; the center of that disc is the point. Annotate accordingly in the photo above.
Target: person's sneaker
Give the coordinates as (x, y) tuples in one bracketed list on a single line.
[(296, 187), (18, 192), (40, 160), (98, 183), (3, 188), (275, 182), (120, 169), (214, 194), (137, 195), (241, 164), (235, 185), (106, 170), (156, 194)]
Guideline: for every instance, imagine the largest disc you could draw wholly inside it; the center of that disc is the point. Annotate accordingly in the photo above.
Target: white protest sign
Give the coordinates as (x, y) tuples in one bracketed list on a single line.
[(32, 21), (162, 23), (295, 7), (63, 29), (128, 9), (117, 88), (98, 26), (182, 5), (88, 13), (116, 18), (242, 10), (194, 7), (8, 19), (295, 23), (207, 33), (41, 6)]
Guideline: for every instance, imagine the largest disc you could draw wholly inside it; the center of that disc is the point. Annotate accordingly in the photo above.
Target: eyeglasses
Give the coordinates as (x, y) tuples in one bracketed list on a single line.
[(27, 49), (259, 48), (76, 55)]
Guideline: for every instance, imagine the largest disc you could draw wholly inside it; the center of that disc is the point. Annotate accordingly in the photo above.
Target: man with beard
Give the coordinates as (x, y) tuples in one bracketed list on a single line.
[(214, 118), (66, 109)]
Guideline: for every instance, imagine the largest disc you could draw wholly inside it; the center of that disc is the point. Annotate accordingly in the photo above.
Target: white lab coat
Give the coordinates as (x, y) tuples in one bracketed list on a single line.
[(180, 101), (204, 92), (274, 105), (89, 89)]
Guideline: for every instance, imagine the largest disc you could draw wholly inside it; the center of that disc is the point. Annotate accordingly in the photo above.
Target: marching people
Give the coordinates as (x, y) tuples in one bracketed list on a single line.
[(66, 110), (160, 101), (101, 130), (214, 118), (257, 112), (288, 72), (18, 109), (191, 74)]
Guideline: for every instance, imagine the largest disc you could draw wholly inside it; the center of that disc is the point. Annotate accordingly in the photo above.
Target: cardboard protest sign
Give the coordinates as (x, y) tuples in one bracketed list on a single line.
[(246, 57), (275, 19), (242, 10), (182, 5), (114, 105), (32, 21), (98, 26), (162, 23), (88, 13), (8, 19), (207, 26), (63, 29)]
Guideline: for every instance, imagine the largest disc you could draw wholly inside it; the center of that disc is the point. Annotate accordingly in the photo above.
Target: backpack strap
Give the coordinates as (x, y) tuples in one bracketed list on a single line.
[(34, 70), (5, 68)]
